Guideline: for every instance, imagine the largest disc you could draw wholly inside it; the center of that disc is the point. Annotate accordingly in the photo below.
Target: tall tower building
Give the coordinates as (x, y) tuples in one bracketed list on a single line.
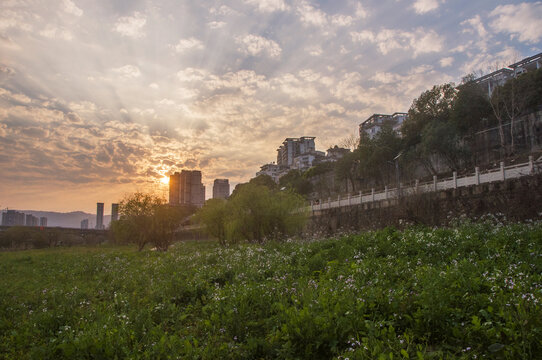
[(292, 147), (174, 188), (13, 218), (221, 189), (99, 216), (114, 212), (186, 188)]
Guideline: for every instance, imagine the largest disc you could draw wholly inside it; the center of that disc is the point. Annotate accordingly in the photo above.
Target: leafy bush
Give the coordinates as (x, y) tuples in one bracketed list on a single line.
[(254, 213)]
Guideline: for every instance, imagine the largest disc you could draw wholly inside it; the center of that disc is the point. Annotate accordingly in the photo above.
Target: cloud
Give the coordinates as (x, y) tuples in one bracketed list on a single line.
[(424, 6), (131, 26), (314, 50), (311, 15), (476, 25), (521, 21), (191, 74), (446, 62), (187, 44), (110, 113), (71, 8), (419, 41), (342, 20), (269, 5), (222, 10), (128, 71), (361, 13), (216, 24), (53, 32), (256, 45), (484, 62)]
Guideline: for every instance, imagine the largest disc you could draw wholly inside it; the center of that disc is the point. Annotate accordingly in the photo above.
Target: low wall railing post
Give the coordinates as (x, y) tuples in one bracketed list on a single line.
[(455, 179), (477, 175), (434, 182), (373, 194), (503, 175), (531, 164)]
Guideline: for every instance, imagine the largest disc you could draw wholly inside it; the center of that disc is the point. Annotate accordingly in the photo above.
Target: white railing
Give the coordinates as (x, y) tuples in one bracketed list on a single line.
[(497, 174)]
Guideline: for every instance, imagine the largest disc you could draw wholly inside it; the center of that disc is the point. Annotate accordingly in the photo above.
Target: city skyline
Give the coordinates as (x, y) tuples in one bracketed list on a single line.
[(100, 99)]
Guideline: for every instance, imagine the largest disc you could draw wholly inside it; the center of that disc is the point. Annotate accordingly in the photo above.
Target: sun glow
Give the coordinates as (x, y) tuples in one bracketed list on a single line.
[(165, 180)]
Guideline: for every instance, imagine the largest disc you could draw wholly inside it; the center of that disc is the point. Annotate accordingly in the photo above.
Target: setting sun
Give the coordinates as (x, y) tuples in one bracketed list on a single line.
[(165, 180)]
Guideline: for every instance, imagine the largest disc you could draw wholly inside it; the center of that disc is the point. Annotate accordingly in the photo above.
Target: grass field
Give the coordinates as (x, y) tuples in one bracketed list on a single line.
[(468, 292)]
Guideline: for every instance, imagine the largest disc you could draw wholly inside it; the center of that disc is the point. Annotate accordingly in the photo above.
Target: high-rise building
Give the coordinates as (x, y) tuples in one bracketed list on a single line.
[(372, 126), (221, 189), (174, 188), (31, 220), (114, 212), (292, 147), (84, 224), (99, 216), (13, 218), (43, 221), (186, 188)]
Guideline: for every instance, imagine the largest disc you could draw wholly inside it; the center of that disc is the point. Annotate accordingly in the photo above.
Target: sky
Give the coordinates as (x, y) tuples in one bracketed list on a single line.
[(101, 98)]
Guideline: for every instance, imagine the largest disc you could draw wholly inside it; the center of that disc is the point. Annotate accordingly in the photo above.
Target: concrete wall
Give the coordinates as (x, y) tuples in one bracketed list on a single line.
[(516, 200)]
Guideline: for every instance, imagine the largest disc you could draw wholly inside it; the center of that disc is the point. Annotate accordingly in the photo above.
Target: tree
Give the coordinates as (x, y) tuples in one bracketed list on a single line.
[(346, 169), (254, 213), (264, 180), (166, 221), (147, 219), (470, 107), (373, 157), (442, 138), (516, 98), (430, 116), (296, 181), (214, 215), (432, 105), (350, 142)]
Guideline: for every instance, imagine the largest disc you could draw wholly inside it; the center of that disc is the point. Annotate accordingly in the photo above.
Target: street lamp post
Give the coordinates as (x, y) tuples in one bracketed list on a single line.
[(397, 173)]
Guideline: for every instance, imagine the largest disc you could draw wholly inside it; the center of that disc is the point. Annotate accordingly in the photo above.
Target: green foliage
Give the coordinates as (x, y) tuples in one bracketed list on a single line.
[(254, 213), (432, 105), (517, 97), (470, 108), (372, 162), (147, 219), (319, 169), (297, 182), (467, 292), (442, 138), (25, 237), (263, 180), (213, 215)]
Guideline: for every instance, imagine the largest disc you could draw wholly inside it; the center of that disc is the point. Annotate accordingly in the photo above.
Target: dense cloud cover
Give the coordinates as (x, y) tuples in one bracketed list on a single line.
[(99, 98)]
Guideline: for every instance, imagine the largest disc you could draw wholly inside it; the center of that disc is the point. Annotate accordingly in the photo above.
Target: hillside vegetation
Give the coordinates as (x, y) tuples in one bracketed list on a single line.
[(467, 292)]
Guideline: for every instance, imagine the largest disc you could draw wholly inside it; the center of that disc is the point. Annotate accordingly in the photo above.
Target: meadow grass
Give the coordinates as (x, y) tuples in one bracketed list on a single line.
[(472, 291)]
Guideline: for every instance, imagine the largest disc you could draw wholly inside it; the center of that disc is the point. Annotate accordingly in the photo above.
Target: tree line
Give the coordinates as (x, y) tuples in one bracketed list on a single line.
[(441, 128)]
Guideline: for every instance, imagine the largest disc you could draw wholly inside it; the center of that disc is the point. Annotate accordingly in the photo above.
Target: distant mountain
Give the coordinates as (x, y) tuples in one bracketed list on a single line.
[(67, 220)]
